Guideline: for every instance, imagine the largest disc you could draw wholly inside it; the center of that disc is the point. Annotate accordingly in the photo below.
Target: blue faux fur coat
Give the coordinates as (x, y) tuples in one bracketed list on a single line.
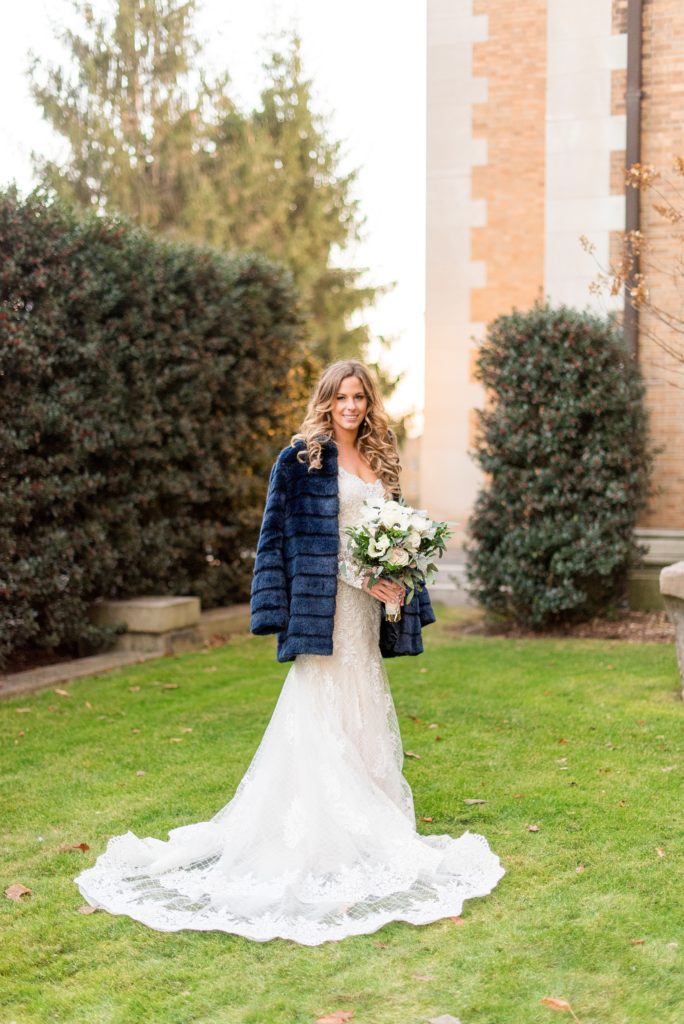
[(294, 586)]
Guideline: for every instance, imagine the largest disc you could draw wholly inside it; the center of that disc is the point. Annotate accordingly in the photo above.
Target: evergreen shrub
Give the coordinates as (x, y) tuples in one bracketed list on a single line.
[(563, 443), (145, 388)]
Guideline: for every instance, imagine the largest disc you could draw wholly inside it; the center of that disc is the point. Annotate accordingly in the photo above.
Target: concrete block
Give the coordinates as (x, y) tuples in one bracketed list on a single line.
[(225, 622), (148, 614), (672, 581), (174, 641)]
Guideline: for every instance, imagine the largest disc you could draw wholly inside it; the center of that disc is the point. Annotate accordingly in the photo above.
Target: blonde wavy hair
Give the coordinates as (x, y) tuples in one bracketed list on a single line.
[(376, 441)]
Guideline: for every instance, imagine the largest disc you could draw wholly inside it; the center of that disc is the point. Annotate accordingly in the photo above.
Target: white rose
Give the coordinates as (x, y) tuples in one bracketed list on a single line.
[(397, 556), (412, 541)]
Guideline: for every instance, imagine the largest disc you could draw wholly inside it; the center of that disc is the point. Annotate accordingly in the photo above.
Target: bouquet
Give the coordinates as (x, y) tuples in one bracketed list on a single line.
[(395, 541)]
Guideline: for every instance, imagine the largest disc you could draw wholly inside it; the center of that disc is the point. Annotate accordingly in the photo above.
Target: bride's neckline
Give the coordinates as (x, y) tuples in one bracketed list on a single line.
[(356, 476)]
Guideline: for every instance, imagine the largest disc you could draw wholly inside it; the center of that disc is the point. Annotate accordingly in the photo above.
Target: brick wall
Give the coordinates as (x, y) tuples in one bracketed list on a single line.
[(662, 140), (513, 60)]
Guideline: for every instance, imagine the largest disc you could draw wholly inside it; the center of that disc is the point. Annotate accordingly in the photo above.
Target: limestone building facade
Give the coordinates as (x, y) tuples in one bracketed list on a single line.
[(526, 149)]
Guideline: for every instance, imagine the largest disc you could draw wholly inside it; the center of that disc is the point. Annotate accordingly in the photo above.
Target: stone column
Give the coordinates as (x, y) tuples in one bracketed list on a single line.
[(672, 589)]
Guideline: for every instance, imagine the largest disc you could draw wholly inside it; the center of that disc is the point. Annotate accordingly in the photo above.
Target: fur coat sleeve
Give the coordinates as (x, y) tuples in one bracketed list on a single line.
[(269, 595)]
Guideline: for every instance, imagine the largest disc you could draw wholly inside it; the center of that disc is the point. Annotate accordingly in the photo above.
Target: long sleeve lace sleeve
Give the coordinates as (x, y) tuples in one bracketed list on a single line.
[(347, 570)]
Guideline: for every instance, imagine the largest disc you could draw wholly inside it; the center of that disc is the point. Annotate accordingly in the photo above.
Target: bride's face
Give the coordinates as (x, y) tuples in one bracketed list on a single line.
[(349, 407)]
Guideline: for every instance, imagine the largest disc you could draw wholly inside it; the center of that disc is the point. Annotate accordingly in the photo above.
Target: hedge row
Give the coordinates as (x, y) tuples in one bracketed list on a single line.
[(145, 388)]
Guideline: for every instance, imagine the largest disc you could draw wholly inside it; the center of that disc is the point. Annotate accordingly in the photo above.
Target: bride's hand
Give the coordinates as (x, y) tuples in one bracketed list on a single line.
[(386, 590)]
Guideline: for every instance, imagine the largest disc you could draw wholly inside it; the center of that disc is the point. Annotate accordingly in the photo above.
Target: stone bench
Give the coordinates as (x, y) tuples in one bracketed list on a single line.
[(166, 625), (672, 590)]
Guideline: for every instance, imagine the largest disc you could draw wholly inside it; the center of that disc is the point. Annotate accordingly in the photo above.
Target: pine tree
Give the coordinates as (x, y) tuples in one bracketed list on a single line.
[(131, 113), (313, 213), (150, 136)]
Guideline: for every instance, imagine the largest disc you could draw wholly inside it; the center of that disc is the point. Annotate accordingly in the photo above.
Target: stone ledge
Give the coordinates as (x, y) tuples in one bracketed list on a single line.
[(152, 614), (62, 672), (217, 623)]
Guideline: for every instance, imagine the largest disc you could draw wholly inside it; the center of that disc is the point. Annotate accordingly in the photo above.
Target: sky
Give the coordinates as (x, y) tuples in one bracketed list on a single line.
[(367, 63)]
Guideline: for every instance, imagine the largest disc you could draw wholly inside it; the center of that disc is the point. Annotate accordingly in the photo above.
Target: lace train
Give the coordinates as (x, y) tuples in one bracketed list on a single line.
[(319, 841)]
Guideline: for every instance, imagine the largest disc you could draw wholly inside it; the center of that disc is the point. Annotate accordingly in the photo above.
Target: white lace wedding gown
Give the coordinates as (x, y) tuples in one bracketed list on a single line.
[(319, 840)]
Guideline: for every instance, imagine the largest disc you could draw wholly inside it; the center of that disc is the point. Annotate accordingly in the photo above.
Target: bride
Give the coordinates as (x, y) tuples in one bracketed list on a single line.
[(319, 840)]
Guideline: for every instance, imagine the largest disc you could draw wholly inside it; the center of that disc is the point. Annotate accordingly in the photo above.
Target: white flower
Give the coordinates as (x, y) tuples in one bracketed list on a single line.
[(419, 523), (378, 547), (391, 514), (397, 556), (412, 541), (371, 508)]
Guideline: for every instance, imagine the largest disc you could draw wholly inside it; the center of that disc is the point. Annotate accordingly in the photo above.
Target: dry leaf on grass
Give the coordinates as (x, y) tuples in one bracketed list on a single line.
[(637, 942), (659, 850), (559, 1004), (170, 686), (338, 1017), (533, 828), (409, 753), (23, 710), (423, 977), (444, 1018), (426, 819), (62, 693), (16, 891), (87, 909), (74, 846), (474, 801), (457, 920), (140, 772)]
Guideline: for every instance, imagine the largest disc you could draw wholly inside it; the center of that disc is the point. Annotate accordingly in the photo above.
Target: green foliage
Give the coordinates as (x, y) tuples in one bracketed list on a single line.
[(145, 387), (150, 135), (564, 445)]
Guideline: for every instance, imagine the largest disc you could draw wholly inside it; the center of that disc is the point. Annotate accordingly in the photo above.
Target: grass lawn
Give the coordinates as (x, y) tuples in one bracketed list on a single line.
[(582, 738)]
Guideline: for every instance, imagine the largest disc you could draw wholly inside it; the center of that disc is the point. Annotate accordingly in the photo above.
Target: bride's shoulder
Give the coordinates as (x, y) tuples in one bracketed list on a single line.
[(287, 460), (289, 452)]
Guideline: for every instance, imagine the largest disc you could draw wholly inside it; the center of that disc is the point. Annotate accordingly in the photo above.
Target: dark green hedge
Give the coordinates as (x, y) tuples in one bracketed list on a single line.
[(564, 445), (145, 387)]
